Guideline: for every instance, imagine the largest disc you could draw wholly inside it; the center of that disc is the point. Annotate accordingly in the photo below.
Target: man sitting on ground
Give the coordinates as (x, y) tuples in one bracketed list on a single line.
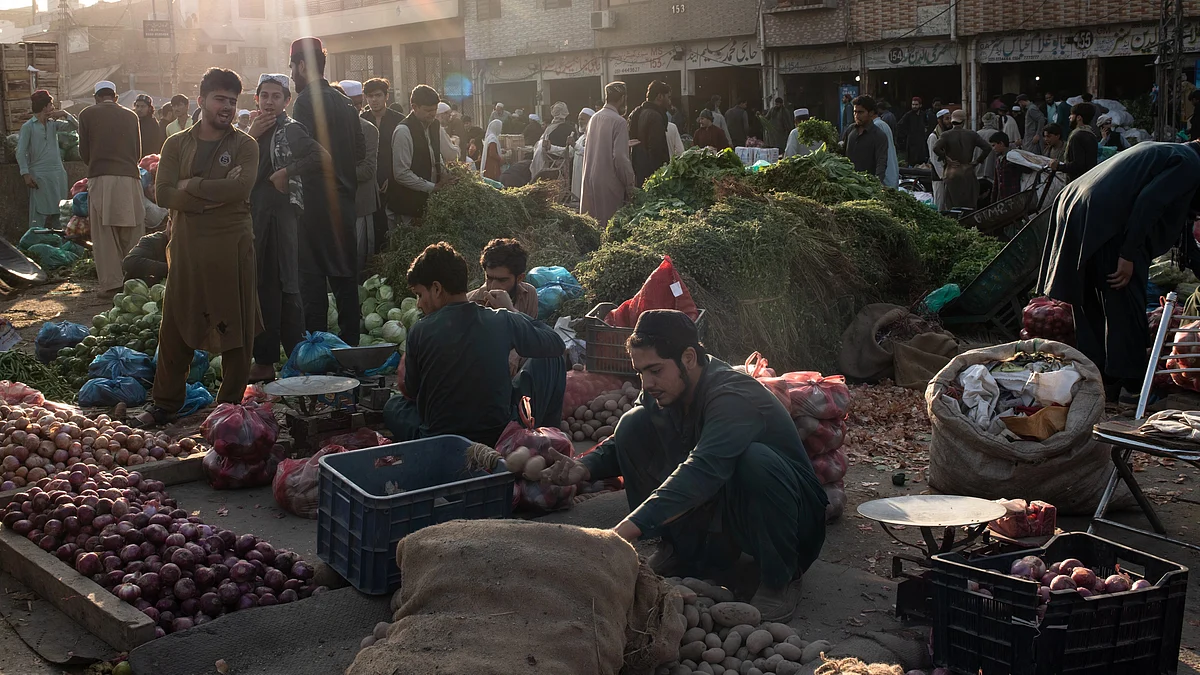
[(544, 381), (455, 374), (148, 259), (713, 465)]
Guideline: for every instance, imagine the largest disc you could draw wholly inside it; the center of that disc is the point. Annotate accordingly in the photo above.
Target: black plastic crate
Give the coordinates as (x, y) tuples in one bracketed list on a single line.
[(1131, 633)]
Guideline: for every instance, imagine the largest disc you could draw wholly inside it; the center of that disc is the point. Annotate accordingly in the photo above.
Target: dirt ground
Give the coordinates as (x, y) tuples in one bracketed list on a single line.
[(69, 300)]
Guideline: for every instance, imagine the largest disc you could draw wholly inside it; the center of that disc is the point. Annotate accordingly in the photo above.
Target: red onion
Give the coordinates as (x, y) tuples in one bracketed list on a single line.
[(204, 577), (151, 584), (112, 562), (183, 558), (1069, 564), (189, 607), (165, 618), (1062, 582), (88, 564), (241, 572), (166, 604), (128, 592), (152, 613), (245, 544), (274, 579), (182, 623), (1083, 577), (301, 570), (267, 599), (288, 595), (247, 601), (170, 573), (185, 589), (1087, 593), (176, 540), (210, 603), (22, 527), (228, 593), (228, 537), (1142, 584), (1118, 583), (214, 559)]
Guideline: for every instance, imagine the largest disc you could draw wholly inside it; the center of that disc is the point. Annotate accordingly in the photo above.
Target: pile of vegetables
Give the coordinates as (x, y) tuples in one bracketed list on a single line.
[(1068, 575), (18, 366), (36, 441), (385, 318), (132, 322), (596, 420), (125, 533)]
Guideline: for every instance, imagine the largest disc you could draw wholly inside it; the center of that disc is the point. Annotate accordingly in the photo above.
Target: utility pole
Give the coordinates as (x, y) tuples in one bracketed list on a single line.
[(174, 51), (64, 36), (1169, 69)]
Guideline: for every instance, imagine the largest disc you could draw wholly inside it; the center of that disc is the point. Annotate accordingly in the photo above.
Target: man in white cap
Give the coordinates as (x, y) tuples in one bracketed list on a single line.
[(366, 201), (941, 126), (449, 145), (793, 141), (498, 112), (243, 123), (956, 148), (533, 130), (577, 143), (110, 142)]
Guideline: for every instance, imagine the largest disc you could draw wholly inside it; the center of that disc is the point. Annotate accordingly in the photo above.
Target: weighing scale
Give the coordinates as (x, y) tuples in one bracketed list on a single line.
[(320, 405), (927, 512)]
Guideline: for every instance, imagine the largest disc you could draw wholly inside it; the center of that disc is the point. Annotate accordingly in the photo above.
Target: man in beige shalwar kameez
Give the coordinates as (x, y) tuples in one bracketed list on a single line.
[(205, 177), (608, 178), (110, 141)]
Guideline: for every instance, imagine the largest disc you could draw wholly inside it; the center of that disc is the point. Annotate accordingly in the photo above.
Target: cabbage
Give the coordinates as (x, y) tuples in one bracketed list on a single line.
[(365, 340), (157, 291), (372, 321), (384, 307), (393, 332), (373, 283), (363, 294), (215, 366), (385, 292), (368, 306), (137, 287), (100, 320), (127, 318), (331, 318), (395, 314), (149, 308), (410, 317), (132, 304), (119, 298), (113, 314), (408, 303)]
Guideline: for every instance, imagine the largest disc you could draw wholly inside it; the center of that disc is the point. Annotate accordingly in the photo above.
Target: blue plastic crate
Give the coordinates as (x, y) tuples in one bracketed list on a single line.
[(359, 524)]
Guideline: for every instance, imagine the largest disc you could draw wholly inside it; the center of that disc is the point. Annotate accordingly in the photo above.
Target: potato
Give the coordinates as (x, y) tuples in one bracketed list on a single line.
[(596, 405), (723, 633), (381, 630), (712, 640), (688, 595), (518, 459), (578, 436), (580, 411), (795, 640), (692, 651), (773, 662), (706, 620), (604, 432), (623, 401), (367, 642), (768, 652), (693, 635), (732, 643), (533, 468), (610, 405), (758, 641), (681, 670), (788, 668), (693, 618), (742, 654), (814, 650), (714, 655), (588, 429), (565, 426), (780, 631), (396, 600), (731, 664), (733, 613), (588, 414), (744, 630), (705, 668), (789, 652), (626, 408)]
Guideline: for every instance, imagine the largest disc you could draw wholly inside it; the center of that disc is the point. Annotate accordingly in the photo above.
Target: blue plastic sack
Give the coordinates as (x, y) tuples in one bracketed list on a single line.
[(122, 362), (198, 397), (55, 336), (39, 235), (544, 276), (52, 257), (105, 393), (79, 205), (314, 355), (198, 368), (937, 299), (555, 285), (388, 368)]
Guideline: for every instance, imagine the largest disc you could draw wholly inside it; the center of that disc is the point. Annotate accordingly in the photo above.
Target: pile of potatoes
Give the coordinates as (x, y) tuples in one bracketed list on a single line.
[(596, 420), (724, 637)]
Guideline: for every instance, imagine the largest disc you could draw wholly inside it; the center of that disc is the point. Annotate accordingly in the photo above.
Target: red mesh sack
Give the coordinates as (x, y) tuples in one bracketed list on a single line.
[(756, 366), (583, 387), (295, 483), (538, 495), (826, 436), (830, 467), (663, 289), (1186, 380), (17, 393), (1026, 519), (836, 493), (1049, 319), (1155, 318), (227, 473), (241, 431), (814, 395), (357, 440)]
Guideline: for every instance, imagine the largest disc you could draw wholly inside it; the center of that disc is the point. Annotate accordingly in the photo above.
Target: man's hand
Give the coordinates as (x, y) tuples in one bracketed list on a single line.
[(565, 470), (234, 173), (182, 184), (444, 182), (1120, 278), (499, 300), (280, 180), (30, 182), (261, 125), (627, 530), (57, 114), (1054, 165)]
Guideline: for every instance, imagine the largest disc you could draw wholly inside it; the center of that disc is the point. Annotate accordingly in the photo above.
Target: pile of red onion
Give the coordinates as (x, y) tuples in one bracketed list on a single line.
[(125, 533), (36, 441), (1068, 575)]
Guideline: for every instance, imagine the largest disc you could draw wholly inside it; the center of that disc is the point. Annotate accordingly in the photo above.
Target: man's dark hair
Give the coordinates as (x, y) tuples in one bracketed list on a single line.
[(1085, 111), (1087, 97), (669, 333), (615, 91), (507, 253), (1053, 128), (466, 119), (1195, 95), (778, 101), (180, 99), (423, 95), (865, 101), (999, 137), (220, 79), (441, 263), (657, 88), (376, 84), (1022, 97), (287, 93)]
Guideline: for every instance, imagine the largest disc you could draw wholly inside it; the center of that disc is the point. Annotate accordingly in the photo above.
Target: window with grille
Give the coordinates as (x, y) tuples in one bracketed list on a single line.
[(558, 4), (252, 9), (487, 9), (254, 56)]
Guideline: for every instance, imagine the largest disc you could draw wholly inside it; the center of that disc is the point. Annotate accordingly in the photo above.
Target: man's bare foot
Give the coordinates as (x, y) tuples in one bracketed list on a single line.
[(152, 416)]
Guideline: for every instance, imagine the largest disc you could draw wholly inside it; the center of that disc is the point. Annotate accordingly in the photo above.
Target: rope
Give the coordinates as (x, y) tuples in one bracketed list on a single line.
[(481, 457)]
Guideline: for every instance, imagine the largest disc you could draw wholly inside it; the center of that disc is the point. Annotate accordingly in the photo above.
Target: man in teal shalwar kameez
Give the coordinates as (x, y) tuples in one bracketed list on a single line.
[(712, 465), (40, 161)]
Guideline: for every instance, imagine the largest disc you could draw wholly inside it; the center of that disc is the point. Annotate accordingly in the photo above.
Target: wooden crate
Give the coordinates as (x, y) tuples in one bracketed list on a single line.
[(14, 56)]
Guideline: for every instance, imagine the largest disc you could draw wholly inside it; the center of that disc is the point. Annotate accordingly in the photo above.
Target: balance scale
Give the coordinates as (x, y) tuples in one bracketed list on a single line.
[(322, 405)]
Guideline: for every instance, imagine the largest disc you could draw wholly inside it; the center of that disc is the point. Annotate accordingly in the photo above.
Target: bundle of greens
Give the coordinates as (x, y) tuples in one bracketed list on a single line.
[(821, 175), (812, 131)]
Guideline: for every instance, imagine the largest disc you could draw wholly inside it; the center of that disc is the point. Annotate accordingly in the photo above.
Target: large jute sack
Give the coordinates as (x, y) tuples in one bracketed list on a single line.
[(1069, 469), (498, 597), (861, 357), (910, 362)]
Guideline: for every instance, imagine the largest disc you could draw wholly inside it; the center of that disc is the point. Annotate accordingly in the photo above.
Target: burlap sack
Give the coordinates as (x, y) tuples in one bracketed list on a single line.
[(921, 358), (656, 624), (1069, 469), (861, 357), (501, 597)]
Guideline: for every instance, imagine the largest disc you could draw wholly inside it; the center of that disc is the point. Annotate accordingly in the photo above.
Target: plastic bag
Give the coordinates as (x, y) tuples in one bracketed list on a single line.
[(227, 473), (52, 257), (814, 395), (199, 366), (295, 485), (1050, 319), (53, 336), (357, 440), (756, 367), (555, 285), (663, 289), (198, 398), (18, 393), (1026, 519), (103, 392), (830, 467), (80, 185), (39, 235), (123, 361), (79, 205), (539, 441), (314, 355), (241, 431), (939, 298), (78, 227)]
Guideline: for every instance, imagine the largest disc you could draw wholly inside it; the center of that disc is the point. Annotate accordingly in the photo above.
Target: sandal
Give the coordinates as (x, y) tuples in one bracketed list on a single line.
[(153, 416)]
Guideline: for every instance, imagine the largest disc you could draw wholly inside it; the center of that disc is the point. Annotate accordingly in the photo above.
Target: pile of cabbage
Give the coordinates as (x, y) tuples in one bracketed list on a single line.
[(132, 322), (386, 319)]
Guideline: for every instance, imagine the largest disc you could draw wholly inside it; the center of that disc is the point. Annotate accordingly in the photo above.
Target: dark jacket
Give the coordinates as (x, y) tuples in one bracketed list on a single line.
[(153, 135), (386, 128), (406, 201), (328, 241), (912, 136), (648, 125), (147, 260), (868, 150), (1081, 154), (739, 125)]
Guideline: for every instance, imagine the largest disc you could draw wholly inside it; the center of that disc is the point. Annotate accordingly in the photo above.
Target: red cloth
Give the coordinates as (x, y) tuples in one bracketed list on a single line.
[(659, 292)]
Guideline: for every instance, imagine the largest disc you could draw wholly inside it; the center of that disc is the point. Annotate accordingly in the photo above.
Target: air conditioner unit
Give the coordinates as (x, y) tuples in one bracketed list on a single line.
[(604, 19)]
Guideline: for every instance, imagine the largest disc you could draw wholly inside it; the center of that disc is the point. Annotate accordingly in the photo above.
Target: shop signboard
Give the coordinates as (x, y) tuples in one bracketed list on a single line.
[(549, 66), (827, 60), (916, 53), (638, 60), (721, 53), (1081, 43)]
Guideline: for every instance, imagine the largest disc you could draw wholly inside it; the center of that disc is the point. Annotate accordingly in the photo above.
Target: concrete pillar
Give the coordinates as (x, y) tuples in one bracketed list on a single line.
[(1094, 69)]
